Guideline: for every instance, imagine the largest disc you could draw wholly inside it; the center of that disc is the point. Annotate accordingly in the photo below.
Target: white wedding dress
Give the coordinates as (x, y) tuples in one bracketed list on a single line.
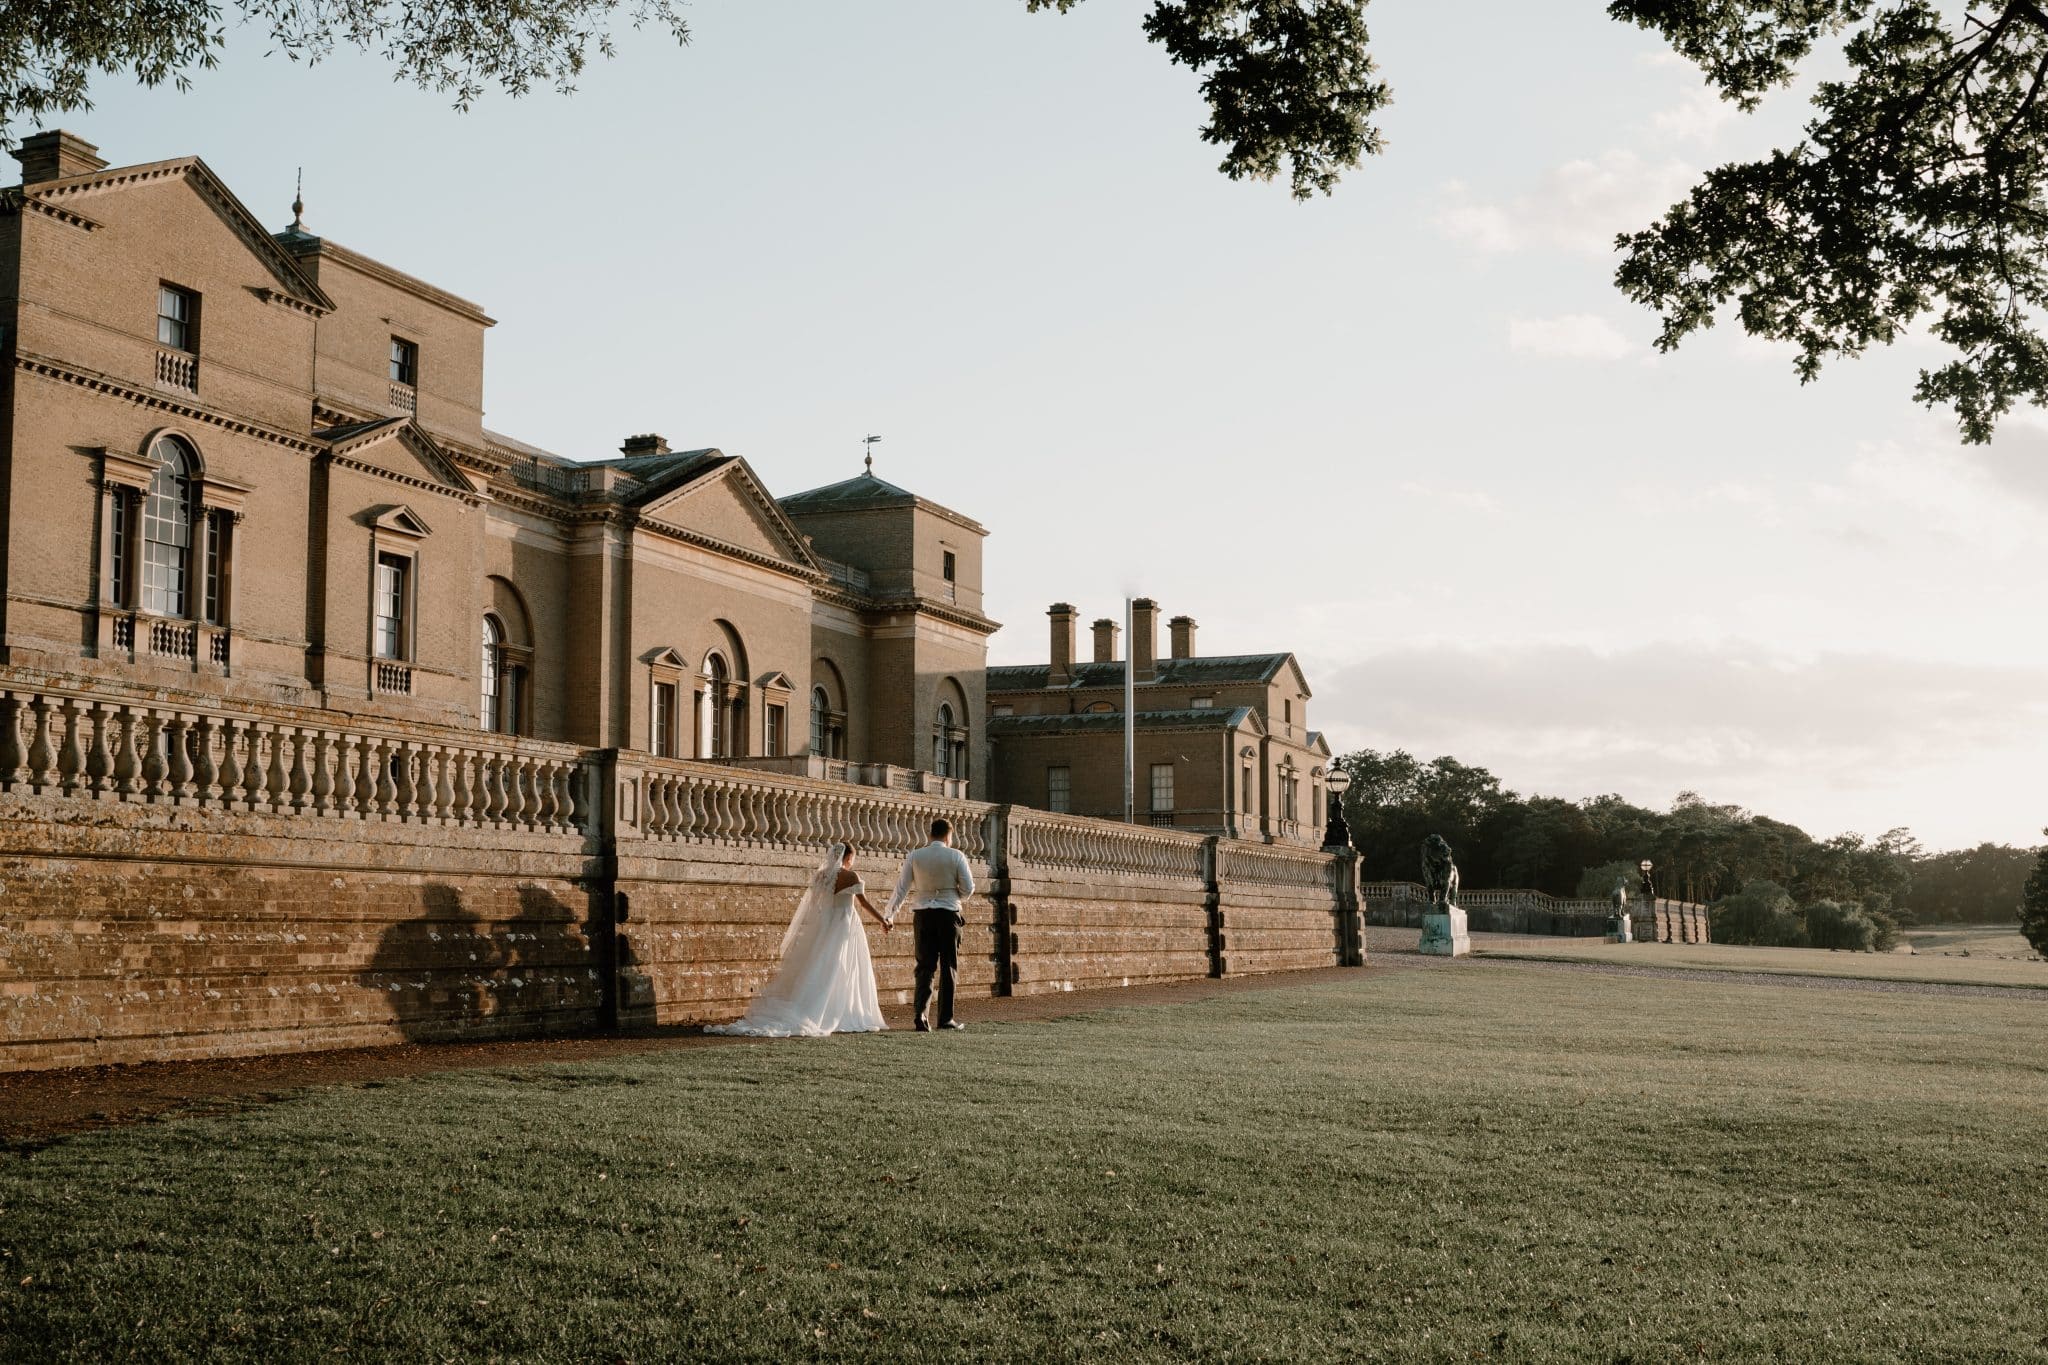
[(826, 983)]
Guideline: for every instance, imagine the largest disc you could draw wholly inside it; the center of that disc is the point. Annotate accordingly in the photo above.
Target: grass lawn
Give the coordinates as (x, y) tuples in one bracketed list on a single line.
[(1978, 940), (1411, 1164), (1926, 965)]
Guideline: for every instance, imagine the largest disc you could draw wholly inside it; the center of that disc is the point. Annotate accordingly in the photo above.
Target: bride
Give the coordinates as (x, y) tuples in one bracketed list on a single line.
[(826, 983)]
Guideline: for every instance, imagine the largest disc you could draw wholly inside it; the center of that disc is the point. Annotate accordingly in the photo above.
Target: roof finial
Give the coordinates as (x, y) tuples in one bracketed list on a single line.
[(299, 203), (869, 442)]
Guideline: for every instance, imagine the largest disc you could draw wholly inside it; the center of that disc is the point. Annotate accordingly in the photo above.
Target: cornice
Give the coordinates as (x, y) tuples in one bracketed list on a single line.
[(365, 467), (160, 402), (716, 546), (837, 596), (397, 279), (15, 200)]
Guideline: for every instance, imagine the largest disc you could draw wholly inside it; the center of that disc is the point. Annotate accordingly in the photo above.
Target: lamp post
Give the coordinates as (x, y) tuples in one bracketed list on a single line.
[(1336, 834)]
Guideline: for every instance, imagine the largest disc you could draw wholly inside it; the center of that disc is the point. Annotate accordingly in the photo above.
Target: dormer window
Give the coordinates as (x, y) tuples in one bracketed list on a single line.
[(405, 362)]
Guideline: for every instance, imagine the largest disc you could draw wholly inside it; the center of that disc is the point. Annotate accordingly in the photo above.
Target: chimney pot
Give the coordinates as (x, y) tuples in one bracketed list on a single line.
[(55, 155), (1062, 671), (1106, 632), (1145, 639), (1181, 630), (646, 444)]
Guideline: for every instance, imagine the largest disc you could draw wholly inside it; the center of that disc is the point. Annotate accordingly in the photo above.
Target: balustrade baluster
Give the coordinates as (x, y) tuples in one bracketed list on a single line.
[(205, 772), (320, 774), (402, 784), (150, 747), (99, 759), (383, 781), (299, 776), (658, 811), (13, 754), (422, 807), (430, 784), (347, 795), (127, 757), (462, 804), (531, 802), (42, 755), (71, 752), (490, 805), (178, 750)]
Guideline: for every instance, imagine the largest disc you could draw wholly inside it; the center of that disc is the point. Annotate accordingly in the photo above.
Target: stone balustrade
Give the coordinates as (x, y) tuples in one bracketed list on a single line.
[(131, 750), (705, 803), (1528, 911), (1041, 839)]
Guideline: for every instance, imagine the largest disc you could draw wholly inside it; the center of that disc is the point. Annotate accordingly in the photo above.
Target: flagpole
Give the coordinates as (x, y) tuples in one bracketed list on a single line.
[(1130, 719)]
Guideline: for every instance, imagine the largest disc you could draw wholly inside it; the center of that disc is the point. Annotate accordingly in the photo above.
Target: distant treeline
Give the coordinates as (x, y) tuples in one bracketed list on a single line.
[(1702, 851)]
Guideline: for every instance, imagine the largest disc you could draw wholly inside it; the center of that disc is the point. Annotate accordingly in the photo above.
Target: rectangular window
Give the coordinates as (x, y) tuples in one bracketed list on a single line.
[(1249, 785), (1162, 793), (1203, 703), (166, 547), (774, 735), (392, 573), (177, 318), (951, 568), (1059, 790), (217, 534), (1287, 711), (405, 362), (124, 515), (662, 737), (1004, 711)]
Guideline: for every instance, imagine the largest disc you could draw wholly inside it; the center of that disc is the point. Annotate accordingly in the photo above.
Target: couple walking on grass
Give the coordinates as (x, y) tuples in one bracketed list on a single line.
[(826, 983)]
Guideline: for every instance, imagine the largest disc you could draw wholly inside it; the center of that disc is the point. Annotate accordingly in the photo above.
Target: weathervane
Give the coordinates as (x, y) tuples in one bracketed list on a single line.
[(869, 442), (299, 202)]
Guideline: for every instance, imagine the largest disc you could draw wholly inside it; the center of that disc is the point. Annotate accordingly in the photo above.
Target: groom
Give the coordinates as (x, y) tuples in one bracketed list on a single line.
[(935, 880)]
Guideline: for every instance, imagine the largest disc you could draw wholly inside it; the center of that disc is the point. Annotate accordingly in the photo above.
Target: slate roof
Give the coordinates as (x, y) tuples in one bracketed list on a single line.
[(862, 490), (1196, 672), (1192, 718)]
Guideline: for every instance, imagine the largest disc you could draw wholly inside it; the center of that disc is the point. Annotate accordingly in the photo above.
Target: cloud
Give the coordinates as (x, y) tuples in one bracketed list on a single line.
[(1699, 117), (1475, 501), (1579, 206), (1740, 721), (1570, 336)]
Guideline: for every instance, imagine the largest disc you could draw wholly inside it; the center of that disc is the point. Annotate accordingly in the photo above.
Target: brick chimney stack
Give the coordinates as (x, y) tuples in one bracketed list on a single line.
[(56, 154), (1182, 631), (648, 444), (1106, 632), (1063, 617), (1145, 639)]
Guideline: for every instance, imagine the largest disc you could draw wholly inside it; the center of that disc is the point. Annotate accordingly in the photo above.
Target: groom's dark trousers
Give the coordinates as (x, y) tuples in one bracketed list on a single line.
[(938, 950)]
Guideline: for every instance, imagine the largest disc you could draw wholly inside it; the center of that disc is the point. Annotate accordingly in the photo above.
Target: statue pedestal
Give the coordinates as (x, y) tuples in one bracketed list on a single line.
[(1444, 935), (1621, 932)]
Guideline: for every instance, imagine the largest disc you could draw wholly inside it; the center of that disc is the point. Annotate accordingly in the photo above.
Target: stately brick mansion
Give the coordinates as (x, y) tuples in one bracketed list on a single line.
[(254, 464)]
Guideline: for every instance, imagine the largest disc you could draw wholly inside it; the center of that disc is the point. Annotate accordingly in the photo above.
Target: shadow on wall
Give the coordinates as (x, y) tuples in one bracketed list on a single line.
[(452, 973)]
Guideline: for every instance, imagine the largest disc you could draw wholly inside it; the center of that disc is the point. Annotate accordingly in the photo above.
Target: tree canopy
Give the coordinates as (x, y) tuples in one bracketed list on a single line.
[(1914, 198), (1703, 851)]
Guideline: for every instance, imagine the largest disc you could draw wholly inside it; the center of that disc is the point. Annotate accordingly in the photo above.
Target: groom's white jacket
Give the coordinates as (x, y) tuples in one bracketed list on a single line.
[(935, 875)]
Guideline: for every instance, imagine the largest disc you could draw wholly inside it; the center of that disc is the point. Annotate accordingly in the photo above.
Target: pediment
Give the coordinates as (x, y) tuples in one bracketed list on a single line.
[(775, 681), (397, 448), (729, 507), (403, 520), (665, 658), (290, 282)]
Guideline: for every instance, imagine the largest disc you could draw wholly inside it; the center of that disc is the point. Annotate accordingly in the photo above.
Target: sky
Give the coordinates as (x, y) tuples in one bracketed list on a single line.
[(1410, 432)]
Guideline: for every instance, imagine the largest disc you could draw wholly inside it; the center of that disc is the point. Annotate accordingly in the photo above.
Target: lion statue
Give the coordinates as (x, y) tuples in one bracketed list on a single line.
[(1439, 873)]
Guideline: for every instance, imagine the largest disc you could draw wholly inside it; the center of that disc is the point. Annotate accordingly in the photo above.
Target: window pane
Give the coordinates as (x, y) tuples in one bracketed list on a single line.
[(405, 362), (167, 531), (1162, 786), (390, 631), (820, 705), (174, 317), (1059, 789), (488, 671)]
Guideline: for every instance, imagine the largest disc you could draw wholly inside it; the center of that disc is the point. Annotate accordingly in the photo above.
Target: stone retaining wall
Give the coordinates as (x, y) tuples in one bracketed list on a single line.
[(179, 882)]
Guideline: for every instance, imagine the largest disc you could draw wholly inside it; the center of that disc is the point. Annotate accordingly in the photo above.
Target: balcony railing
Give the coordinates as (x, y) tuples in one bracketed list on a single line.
[(405, 398), (390, 678), (177, 370)]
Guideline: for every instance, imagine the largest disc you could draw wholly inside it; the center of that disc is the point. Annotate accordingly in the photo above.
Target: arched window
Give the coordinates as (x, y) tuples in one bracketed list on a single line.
[(942, 744), (821, 722), (714, 736), (167, 530), (491, 670)]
